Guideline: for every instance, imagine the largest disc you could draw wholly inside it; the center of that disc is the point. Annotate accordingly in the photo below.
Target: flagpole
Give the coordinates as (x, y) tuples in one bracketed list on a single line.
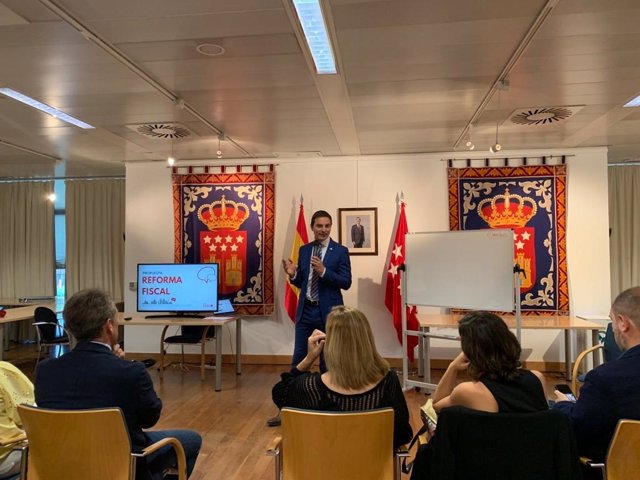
[(405, 355)]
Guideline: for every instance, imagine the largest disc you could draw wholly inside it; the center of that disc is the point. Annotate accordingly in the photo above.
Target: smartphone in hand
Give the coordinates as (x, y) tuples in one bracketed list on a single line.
[(561, 387)]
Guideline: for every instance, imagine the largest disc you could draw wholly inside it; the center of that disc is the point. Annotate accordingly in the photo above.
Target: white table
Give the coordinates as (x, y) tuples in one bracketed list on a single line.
[(20, 311), (138, 319), (428, 322)]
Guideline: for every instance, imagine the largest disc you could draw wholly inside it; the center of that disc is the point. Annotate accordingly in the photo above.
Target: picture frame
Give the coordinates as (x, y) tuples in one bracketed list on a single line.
[(358, 230)]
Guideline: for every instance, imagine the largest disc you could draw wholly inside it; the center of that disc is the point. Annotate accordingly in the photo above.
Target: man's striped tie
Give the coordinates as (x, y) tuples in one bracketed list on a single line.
[(314, 291)]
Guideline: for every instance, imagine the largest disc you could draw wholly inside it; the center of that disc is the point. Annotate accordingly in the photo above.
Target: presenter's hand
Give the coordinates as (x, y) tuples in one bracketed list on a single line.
[(560, 397), (317, 265), (460, 363), (118, 351), (289, 267)]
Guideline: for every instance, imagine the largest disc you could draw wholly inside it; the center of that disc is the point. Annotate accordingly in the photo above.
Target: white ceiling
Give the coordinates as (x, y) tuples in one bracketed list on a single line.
[(413, 74)]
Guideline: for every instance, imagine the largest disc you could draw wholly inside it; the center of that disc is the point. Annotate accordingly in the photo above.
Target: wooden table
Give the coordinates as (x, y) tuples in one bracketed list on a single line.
[(138, 319), (428, 322), (19, 311)]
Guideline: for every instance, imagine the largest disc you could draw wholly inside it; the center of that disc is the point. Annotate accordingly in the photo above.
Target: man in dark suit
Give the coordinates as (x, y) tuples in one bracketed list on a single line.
[(611, 391), (357, 234), (96, 375), (323, 270)]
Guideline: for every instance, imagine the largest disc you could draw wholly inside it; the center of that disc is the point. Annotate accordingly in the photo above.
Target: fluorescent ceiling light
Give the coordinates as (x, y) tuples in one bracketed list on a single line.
[(633, 103), (54, 112), (315, 31)]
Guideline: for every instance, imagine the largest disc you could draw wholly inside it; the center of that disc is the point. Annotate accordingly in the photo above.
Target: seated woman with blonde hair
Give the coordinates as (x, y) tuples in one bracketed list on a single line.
[(357, 377), (491, 356)]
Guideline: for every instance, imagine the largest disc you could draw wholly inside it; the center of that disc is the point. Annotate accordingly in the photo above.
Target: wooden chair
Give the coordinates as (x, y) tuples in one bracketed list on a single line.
[(84, 445), (623, 461), (189, 335), (610, 351), (336, 445)]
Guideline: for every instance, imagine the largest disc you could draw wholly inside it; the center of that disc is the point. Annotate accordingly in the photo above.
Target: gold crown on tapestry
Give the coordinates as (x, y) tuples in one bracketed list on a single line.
[(223, 214), (507, 210)]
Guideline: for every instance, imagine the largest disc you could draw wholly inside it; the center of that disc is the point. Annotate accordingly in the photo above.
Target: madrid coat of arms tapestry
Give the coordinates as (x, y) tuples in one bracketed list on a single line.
[(228, 219), (531, 200)]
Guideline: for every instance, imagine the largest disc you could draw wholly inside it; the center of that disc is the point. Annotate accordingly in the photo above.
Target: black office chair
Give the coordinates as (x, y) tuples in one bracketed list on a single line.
[(50, 333), (469, 444), (189, 335)]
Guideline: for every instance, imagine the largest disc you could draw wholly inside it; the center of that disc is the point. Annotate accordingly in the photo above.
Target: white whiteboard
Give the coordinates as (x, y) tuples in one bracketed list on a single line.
[(464, 269)]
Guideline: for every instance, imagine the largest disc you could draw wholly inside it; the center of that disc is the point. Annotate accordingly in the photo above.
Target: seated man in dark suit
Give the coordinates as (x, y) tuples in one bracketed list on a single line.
[(96, 375), (612, 390)]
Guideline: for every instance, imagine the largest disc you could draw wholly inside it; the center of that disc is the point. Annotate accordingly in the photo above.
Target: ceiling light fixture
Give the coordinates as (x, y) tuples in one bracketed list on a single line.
[(469, 144), (496, 147), (210, 49), (43, 107), (315, 31), (171, 161), (633, 103), (219, 152)]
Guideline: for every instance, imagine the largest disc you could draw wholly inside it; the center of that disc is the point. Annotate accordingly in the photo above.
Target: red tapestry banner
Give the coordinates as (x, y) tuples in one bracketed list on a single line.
[(228, 219), (530, 200)]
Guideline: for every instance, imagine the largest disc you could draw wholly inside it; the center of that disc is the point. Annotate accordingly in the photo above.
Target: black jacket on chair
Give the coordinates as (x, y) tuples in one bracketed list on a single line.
[(473, 445)]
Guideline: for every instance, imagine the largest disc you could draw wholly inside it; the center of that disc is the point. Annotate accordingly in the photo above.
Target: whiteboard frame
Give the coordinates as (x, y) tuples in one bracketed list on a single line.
[(458, 264), (421, 335)]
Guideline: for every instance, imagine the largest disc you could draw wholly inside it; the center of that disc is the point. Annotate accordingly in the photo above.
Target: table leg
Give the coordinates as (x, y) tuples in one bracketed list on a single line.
[(567, 353), (420, 354), (218, 386), (595, 340), (427, 357), (238, 346)]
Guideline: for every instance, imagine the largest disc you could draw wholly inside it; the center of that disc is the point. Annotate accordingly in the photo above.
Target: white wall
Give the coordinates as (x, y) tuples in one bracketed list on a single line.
[(373, 181)]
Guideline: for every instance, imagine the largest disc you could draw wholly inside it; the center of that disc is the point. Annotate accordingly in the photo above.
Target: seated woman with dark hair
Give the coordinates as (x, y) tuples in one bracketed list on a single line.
[(357, 379), (491, 357)]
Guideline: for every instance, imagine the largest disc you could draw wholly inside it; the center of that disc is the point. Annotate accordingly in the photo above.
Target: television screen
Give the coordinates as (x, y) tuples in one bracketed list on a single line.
[(178, 287)]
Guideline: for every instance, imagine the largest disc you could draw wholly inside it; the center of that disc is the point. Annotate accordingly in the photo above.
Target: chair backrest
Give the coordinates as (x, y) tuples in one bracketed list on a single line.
[(502, 446), (337, 445), (196, 331), (611, 351), (44, 314), (623, 458), (88, 444)]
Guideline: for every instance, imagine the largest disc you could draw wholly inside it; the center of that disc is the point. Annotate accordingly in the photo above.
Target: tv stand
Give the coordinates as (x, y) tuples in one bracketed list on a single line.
[(176, 315)]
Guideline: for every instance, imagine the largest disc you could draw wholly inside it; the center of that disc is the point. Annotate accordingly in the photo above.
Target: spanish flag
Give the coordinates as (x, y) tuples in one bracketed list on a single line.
[(291, 293)]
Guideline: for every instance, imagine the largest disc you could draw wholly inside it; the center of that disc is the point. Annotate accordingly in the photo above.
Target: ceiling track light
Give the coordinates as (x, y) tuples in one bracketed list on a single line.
[(496, 147), (219, 152), (469, 144), (118, 55)]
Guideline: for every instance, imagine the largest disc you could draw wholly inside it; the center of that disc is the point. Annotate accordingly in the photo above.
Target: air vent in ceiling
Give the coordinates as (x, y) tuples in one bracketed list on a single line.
[(538, 116), (161, 131)]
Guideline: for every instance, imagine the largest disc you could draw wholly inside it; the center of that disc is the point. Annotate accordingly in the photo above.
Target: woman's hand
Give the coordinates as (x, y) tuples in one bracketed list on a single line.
[(460, 363), (315, 344)]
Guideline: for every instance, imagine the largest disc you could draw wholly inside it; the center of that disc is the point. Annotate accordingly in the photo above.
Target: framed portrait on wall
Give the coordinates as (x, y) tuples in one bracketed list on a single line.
[(358, 230)]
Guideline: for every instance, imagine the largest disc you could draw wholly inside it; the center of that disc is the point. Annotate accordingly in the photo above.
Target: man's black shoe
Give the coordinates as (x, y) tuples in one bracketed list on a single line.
[(274, 421), (148, 362)]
